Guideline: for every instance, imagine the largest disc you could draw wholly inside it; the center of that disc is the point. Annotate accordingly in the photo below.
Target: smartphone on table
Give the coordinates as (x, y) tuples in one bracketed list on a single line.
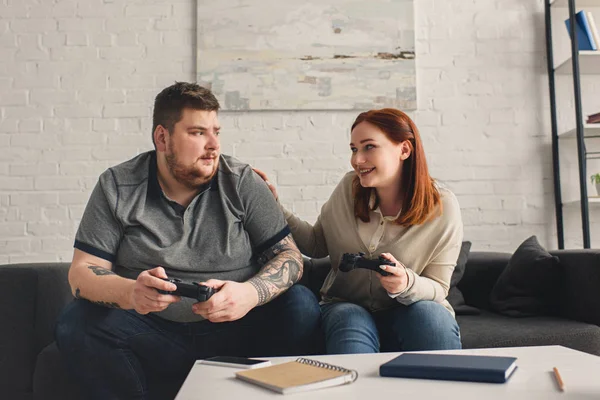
[(235, 362)]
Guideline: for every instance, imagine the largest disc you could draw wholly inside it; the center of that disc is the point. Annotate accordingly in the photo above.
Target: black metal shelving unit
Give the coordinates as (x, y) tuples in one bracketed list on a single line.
[(580, 130)]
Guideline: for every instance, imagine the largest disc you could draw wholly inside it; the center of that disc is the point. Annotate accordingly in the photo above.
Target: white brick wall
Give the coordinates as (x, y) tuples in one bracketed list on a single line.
[(78, 79)]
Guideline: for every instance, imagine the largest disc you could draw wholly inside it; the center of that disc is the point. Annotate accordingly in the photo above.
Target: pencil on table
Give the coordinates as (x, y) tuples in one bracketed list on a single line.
[(561, 384)]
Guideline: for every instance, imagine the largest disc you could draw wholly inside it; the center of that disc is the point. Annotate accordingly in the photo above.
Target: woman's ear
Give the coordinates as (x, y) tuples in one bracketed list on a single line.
[(405, 150), (160, 138)]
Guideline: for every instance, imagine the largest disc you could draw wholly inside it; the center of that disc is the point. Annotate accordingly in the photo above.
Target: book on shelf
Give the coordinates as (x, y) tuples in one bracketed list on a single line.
[(454, 367), (585, 38), (300, 375), (593, 28), (593, 119)]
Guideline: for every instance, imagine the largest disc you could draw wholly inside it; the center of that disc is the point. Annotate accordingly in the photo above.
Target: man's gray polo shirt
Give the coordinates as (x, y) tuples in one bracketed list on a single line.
[(130, 222)]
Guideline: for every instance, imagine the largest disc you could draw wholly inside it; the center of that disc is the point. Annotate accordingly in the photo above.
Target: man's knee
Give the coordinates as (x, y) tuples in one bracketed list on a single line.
[(299, 302), (297, 313), (81, 319), (71, 324), (296, 317)]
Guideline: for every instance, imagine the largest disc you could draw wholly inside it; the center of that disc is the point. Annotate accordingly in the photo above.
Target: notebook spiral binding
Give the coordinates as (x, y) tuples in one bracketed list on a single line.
[(320, 364)]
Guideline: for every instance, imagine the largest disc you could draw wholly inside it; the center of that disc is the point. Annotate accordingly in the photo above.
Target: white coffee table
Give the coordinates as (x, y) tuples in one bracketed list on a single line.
[(533, 379)]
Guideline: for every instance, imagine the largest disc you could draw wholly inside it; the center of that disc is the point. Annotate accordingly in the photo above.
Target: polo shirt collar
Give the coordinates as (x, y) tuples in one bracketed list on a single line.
[(154, 189)]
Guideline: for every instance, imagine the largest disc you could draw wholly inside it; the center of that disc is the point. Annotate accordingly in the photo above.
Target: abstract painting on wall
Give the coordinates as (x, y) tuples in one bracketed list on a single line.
[(307, 54)]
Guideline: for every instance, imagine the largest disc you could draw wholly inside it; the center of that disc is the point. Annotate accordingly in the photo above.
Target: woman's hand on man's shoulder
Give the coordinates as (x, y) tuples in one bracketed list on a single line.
[(266, 179)]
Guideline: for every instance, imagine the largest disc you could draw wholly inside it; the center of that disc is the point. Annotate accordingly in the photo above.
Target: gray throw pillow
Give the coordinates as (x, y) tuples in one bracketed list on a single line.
[(530, 284)]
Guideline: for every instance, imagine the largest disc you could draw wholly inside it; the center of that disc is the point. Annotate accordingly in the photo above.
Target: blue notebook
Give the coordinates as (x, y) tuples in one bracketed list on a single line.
[(450, 367), (585, 39)]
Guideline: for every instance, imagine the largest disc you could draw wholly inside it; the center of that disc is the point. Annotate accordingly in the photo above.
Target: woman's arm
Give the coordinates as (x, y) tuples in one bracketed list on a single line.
[(309, 238), (433, 282)]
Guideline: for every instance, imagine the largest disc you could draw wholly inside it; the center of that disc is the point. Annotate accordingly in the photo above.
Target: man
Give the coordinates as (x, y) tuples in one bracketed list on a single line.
[(183, 211)]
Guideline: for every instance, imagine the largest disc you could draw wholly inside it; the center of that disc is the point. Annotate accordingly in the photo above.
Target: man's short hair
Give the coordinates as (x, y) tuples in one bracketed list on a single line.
[(169, 104)]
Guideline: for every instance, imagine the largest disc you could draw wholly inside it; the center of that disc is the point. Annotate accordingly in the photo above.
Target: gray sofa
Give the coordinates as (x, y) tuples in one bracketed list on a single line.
[(32, 295)]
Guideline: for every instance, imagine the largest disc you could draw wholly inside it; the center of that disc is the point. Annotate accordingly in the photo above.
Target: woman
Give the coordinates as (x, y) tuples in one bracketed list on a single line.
[(388, 206)]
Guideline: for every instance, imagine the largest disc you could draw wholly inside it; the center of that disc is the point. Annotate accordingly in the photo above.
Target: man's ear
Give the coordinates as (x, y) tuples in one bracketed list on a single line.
[(405, 150), (160, 138)]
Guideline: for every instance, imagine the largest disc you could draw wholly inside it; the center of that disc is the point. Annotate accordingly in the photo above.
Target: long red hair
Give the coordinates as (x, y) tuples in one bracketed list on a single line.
[(420, 195)]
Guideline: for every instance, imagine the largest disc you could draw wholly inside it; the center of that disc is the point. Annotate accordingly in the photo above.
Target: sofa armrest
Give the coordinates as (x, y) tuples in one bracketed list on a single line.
[(53, 294), (481, 273), (17, 330), (315, 272), (581, 290), (31, 296)]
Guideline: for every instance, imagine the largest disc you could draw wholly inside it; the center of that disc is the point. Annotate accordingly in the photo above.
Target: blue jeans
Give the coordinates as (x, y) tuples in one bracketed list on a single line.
[(114, 353), (424, 325)]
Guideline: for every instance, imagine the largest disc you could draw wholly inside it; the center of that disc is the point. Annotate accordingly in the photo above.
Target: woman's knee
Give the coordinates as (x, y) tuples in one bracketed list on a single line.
[(427, 308), (427, 325), (349, 318), (429, 314), (345, 314), (349, 328)]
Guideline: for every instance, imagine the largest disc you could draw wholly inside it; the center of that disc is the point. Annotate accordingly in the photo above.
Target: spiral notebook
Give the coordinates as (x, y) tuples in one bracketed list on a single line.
[(300, 375)]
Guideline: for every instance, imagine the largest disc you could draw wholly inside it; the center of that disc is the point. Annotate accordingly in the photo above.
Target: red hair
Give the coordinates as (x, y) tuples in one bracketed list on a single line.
[(420, 197)]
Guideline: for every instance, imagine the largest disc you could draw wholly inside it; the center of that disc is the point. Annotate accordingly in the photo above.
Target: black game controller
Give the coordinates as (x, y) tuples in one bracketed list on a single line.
[(351, 261), (192, 290)]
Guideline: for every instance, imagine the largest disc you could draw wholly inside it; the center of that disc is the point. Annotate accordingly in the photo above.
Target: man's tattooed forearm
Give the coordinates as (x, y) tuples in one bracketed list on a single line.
[(100, 271), (100, 303), (274, 250), (285, 276), (262, 289), (283, 268)]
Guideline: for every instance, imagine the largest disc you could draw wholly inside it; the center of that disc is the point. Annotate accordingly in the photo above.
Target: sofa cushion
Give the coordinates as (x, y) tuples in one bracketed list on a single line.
[(481, 274), (455, 296), (494, 330), (530, 283), (581, 299)]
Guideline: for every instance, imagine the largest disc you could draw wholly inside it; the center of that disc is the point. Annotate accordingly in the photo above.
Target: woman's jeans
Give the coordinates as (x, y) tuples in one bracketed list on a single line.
[(424, 325), (114, 353)]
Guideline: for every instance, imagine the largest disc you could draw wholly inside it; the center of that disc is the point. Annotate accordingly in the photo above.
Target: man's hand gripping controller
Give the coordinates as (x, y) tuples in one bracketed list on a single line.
[(192, 290)]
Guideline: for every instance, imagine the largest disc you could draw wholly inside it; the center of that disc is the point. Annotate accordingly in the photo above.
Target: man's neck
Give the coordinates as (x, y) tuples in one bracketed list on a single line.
[(173, 189)]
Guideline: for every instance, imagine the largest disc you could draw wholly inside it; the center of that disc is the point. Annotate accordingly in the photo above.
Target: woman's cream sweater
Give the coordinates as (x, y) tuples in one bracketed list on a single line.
[(429, 251)]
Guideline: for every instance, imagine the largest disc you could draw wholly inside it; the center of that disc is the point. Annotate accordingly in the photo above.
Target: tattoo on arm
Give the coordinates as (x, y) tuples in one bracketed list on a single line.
[(100, 303), (106, 304), (282, 268), (100, 271)]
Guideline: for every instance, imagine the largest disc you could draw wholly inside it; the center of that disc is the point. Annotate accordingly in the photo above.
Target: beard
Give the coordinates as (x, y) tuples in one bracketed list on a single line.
[(191, 175)]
